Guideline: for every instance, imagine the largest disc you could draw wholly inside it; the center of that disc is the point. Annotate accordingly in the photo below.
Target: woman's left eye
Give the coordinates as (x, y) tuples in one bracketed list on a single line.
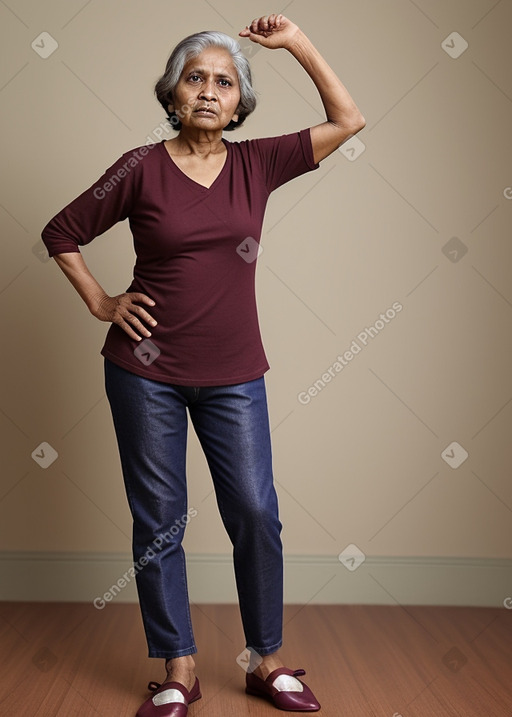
[(227, 83)]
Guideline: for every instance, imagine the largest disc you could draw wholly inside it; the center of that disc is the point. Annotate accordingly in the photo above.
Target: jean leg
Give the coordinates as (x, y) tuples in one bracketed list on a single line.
[(150, 421), (232, 425)]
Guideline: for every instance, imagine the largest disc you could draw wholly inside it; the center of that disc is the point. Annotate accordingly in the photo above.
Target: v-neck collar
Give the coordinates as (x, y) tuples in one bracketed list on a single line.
[(191, 181)]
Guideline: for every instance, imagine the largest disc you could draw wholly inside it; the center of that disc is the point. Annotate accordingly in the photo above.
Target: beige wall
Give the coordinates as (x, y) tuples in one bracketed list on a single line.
[(362, 461)]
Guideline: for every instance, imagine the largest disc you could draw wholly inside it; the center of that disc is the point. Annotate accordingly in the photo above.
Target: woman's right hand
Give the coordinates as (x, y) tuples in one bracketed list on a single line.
[(125, 311)]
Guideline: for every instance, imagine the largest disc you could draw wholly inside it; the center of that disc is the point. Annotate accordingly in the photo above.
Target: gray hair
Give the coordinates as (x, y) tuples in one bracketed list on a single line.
[(192, 46)]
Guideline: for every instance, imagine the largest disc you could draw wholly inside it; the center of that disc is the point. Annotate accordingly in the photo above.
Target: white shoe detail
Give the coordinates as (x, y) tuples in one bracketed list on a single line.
[(287, 683), (167, 696)]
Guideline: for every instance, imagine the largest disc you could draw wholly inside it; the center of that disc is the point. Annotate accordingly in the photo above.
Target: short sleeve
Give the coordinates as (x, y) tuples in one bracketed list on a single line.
[(98, 208), (284, 158)]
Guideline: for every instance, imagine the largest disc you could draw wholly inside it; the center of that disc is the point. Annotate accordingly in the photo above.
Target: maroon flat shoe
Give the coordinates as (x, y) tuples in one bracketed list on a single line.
[(166, 701), (304, 701)]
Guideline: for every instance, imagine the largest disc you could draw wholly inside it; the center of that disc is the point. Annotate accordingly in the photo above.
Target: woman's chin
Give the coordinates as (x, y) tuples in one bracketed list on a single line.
[(211, 122)]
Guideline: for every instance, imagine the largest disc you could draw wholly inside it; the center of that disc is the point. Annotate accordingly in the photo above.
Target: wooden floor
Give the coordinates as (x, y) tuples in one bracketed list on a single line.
[(67, 660)]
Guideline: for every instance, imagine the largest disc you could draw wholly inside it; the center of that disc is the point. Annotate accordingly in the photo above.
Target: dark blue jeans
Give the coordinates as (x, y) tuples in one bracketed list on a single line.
[(231, 422)]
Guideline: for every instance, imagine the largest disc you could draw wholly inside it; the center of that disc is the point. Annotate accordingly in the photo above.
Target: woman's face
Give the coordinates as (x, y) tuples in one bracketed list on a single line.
[(208, 93)]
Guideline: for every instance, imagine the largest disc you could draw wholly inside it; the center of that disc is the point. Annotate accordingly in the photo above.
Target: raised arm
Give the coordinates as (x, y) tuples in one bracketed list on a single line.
[(343, 118)]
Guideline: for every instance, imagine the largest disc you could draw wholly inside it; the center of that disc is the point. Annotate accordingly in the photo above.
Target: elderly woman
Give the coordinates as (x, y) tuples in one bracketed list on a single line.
[(185, 336)]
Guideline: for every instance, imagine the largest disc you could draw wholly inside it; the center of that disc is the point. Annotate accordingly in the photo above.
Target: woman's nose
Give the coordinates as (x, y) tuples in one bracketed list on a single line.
[(208, 91)]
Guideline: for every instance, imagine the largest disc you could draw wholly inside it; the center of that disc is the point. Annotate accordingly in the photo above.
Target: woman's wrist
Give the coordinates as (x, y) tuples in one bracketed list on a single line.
[(97, 303), (299, 43)]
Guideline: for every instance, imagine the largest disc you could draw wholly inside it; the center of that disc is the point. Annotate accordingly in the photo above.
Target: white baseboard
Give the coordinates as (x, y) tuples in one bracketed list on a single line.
[(81, 577)]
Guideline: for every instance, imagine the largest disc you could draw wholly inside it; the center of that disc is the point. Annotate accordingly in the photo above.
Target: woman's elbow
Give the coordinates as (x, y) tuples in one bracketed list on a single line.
[(357, 123), (348, 125)]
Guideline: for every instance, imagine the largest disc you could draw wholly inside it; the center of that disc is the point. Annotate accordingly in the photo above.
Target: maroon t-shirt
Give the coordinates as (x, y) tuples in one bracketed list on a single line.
[(196, 250)]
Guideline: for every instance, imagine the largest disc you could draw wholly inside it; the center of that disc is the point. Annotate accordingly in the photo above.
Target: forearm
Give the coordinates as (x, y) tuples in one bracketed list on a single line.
[(75, 269), (340, 108), (126, 310)]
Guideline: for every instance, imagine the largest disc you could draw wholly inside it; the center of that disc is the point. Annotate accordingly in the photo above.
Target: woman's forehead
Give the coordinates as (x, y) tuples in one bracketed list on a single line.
[(216, 58)]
